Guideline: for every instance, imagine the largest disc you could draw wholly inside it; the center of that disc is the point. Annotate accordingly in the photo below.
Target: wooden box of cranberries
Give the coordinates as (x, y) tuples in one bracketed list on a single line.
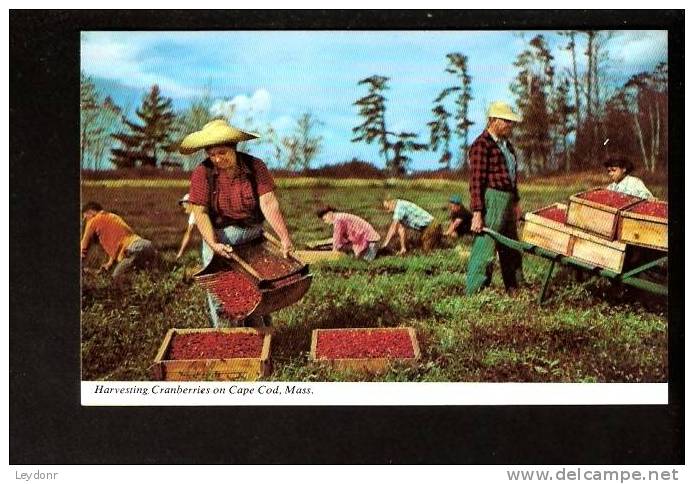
[(597, 211), (548, 228), (645, 224), (212, 354), (257, 280), (371, 350)]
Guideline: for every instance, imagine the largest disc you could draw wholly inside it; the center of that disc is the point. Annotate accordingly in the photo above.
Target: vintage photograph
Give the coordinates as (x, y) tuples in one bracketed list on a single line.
[(392, 206)]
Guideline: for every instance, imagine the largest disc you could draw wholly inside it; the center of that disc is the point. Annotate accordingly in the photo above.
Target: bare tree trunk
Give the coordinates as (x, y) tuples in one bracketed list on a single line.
[(657, 135), (589, 80), (574, 74), (639, 135)]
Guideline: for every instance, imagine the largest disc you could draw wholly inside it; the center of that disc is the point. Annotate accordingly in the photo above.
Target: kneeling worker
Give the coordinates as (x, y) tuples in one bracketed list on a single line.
[(461, 218)]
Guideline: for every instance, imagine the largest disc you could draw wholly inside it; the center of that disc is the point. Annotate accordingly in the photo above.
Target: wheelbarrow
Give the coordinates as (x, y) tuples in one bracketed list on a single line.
[(630, 277), (279, 281)]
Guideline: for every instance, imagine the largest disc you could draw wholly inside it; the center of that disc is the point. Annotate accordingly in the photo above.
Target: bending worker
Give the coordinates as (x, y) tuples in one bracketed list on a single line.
[(351, 233), (231, 194), (118, 240), (494, 200), (407, 215)]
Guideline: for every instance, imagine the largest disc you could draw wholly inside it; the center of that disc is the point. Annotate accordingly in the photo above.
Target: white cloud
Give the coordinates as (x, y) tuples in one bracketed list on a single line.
[(114, 57), (242, 108)]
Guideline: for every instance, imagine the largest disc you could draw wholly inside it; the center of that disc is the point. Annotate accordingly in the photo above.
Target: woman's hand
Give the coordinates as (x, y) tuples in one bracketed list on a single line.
[(287, 247), (223, 250)]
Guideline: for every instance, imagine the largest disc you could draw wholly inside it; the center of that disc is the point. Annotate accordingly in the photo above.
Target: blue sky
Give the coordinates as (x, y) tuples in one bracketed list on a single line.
[(275, 76)]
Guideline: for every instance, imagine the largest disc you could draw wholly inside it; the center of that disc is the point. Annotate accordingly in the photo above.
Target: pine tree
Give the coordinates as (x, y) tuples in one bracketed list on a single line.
[(372, 108), (440, 133), (458, 66), (89, 112), (406, 143), (144, 142), (439, 128)]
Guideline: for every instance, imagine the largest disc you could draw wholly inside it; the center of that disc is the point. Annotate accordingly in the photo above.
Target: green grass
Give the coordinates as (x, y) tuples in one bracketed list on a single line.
[(591, 332)]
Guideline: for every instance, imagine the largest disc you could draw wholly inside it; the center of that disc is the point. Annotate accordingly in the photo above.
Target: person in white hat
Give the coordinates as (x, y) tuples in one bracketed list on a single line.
[(231, 194), (183, 202), (494, 200)]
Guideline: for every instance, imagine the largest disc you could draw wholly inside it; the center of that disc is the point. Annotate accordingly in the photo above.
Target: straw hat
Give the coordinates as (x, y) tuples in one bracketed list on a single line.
[(215, 132), (501, 110)]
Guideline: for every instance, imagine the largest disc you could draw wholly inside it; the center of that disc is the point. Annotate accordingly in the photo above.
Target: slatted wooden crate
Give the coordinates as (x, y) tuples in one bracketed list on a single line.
[(608, 254), (645, 224), (317, 256), (373, 365), (216, 368), (547, 228), (544, 228), (597, 211)]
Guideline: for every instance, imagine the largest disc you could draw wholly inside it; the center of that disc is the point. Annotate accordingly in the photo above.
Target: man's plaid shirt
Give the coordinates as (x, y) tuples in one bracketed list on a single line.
[(488, 170)]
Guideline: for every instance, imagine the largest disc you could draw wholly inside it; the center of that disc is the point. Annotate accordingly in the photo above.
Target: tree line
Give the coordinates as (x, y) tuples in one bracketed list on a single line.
[(151, 138), (572, 117)]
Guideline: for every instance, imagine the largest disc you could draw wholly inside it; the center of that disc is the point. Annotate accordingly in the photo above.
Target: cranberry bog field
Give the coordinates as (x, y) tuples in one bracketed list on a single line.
[(592, 331)]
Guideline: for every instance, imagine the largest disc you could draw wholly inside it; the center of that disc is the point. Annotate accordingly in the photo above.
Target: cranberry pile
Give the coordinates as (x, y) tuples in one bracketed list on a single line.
[(364, 343), (267, 264), (610, 198), (236, 292), (654, 209), (214, 345), (554, 213)]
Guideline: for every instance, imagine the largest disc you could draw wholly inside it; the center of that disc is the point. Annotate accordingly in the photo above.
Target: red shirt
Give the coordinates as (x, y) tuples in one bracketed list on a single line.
[(235, 198), (488, 170)]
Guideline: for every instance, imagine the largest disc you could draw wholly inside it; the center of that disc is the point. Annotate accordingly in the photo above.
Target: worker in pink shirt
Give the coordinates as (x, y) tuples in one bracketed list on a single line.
[(351, 232)]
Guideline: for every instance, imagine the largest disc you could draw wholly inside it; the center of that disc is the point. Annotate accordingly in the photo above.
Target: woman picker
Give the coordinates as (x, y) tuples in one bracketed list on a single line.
[(231, 194)]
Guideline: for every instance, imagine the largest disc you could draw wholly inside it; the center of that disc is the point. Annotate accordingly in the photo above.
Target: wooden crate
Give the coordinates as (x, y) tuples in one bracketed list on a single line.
[(598, 251), (547, 233), (596, 217), (212, 369), (366, 365), (643, 230), (316, 256)]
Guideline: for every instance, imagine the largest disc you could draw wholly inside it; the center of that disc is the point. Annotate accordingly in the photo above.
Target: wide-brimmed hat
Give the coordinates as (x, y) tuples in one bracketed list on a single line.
[(217, 132), (501, 110), (184, 199), (620, 162)]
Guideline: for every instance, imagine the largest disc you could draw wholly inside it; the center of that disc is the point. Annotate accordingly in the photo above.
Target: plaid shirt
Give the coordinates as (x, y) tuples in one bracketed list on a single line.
[(235, 198), (488, 170)]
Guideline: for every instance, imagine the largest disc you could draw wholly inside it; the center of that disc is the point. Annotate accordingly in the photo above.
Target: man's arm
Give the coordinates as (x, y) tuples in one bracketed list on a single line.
[(86, 239), (391, 231), (478, 178), (452, 227), (270, 207)]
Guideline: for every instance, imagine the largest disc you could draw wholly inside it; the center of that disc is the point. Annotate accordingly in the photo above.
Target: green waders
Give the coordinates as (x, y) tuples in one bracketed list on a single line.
[(500, 217)]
